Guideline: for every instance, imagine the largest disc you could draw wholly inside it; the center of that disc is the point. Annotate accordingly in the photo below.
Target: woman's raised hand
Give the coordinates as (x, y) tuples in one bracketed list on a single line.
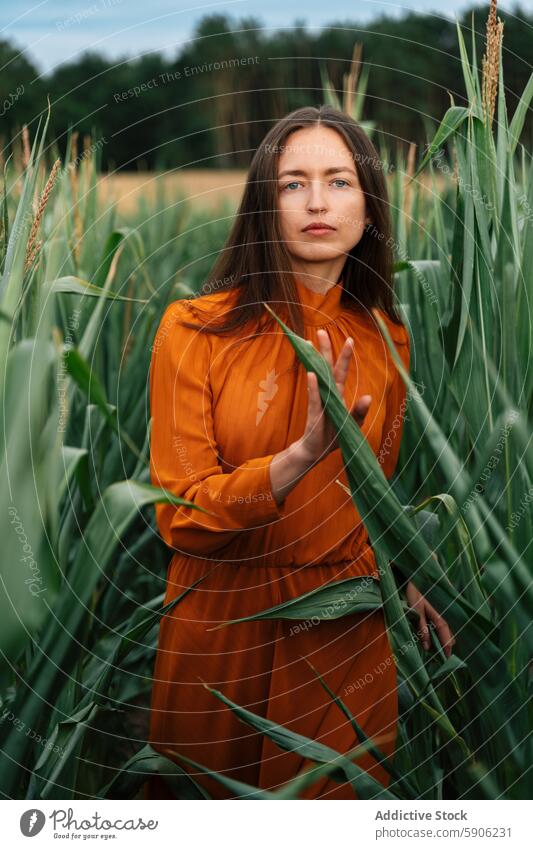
[(320, 437)]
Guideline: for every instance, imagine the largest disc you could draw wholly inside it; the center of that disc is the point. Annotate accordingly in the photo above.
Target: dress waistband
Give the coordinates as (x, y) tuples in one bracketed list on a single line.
[(361, 564)]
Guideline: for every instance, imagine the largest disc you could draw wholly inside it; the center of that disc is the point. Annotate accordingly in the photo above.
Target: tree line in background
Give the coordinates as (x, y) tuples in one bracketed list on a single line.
[(202, 109)]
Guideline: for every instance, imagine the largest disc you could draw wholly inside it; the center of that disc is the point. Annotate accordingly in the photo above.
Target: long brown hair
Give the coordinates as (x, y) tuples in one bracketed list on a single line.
[(255, 264)]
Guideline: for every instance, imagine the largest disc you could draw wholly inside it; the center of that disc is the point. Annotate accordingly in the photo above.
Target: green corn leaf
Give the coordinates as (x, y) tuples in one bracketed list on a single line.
[(519, 116), (364, 785), (451, 122), (77, 286), (141, 766), (330, 601)]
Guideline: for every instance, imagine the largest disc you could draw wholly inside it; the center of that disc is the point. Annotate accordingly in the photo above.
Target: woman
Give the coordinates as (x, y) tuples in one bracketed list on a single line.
[(238, 428)]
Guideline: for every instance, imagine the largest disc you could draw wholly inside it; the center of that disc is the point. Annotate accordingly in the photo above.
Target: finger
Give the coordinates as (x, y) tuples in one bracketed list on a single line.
[(360, 408), (315, 405), (343, 364), (325, 345), (423, 630), (314, 400), (340, 370), (444, 634)]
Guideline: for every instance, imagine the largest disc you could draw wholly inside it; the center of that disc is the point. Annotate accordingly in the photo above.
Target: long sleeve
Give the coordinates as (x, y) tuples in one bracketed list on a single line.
[(395, 408), (183, 451)]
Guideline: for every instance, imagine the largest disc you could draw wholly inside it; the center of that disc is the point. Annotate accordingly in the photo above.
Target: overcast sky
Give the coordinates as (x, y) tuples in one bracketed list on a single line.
[(54, 31)]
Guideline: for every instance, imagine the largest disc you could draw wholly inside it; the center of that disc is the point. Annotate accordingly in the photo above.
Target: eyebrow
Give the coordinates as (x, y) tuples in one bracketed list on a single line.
[(300, 173)]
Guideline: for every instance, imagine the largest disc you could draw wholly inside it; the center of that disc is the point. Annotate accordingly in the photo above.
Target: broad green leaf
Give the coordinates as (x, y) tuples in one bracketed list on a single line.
[(77, 286), (451, 122), (331, 601), (141, 766), (364, 785)]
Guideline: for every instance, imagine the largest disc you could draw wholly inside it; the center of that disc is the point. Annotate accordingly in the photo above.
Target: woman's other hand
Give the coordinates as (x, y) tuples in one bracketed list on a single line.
[(426, 612)]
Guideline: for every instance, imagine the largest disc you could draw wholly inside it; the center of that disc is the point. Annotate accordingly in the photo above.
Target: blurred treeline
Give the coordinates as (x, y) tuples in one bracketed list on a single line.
[(198, 117)]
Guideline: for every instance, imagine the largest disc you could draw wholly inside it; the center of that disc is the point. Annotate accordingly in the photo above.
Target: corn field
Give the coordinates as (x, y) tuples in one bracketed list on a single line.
[(83, 572)]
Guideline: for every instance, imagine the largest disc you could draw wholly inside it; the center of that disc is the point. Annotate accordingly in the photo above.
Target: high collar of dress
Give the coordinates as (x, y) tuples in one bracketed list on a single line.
[(319, 308)]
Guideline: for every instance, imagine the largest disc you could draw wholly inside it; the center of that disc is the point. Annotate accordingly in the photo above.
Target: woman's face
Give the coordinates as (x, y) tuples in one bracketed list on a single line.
[(318, 182)]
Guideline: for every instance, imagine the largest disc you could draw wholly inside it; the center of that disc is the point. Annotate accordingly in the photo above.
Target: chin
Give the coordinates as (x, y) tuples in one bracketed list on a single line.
[(317, 253)]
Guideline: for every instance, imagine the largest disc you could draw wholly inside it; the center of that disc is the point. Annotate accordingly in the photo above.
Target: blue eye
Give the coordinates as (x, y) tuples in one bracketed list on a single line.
[(297, 183)]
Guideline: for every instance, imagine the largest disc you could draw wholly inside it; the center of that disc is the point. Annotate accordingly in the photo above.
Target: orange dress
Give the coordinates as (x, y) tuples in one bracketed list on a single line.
[(222, 407)]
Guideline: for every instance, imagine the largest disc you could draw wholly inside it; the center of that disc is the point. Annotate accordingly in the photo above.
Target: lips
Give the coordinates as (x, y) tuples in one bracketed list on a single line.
[(318, 225)]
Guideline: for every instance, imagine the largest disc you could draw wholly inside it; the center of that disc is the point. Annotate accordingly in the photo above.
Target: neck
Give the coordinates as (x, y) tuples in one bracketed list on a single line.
[(319, 277)]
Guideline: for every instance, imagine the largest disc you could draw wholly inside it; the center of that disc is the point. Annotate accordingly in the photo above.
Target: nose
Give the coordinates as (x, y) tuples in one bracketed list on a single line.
[(317, 198)]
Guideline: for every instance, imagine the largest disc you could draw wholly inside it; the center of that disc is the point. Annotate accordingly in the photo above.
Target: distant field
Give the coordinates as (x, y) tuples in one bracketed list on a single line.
[(206, 187)]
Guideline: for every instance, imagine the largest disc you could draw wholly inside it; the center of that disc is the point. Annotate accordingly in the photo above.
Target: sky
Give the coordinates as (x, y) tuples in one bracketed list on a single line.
[(51, 32)]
